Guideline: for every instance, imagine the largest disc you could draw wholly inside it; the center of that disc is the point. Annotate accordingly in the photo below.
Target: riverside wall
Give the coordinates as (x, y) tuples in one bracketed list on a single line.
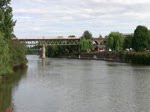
[(108, 56)]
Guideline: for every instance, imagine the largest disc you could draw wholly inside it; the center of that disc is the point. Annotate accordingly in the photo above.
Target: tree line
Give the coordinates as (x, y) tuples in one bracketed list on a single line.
[(86, 44), (12, 53), (138, 41), (115, 41)]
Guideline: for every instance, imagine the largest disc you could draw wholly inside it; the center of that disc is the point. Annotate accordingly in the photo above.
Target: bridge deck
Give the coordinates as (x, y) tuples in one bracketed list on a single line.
[(37, 39), (54, 41), (49, 41)]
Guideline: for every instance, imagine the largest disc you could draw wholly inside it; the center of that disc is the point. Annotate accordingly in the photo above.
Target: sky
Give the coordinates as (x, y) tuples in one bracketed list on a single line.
[(52, 18)]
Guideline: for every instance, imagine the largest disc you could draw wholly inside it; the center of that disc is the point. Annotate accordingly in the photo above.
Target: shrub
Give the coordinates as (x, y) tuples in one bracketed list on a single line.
[(138, 57), (17, 53)]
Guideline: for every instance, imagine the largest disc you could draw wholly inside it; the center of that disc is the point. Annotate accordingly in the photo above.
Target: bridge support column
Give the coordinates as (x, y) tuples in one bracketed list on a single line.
[(43, 52)]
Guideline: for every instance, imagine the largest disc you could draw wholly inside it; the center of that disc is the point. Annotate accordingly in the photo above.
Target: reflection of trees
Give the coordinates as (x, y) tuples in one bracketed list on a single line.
[(6, 90)]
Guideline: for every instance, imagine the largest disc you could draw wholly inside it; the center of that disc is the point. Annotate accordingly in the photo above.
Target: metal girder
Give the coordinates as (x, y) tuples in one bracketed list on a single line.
[(48, 42)]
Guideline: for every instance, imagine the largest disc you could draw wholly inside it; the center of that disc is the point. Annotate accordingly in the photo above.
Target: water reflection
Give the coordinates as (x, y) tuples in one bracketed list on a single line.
[(129, 88), (67, 85), (142, 88), (6, 90)]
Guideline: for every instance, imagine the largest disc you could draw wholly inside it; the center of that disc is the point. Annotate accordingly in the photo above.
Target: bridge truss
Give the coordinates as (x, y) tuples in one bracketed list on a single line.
[(48, 42)]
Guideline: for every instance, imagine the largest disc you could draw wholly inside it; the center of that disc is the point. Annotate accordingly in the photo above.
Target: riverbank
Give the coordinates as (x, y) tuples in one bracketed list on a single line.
[(17, 68), (106, 56), (16, 72), (142, 58)]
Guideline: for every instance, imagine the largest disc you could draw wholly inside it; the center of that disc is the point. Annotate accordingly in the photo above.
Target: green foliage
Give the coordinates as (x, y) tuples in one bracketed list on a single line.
[(127, 42), (6, 19), (149, 40), (71, 36), (6, 89), (141, 38), (4, 3), (110, 43), (4, 57), (87, 35), (115, 41), (52, 51), (86, 44), (12, 53), (100, 36), (56, 51), (17, 53), (33, 50), (138, 57)]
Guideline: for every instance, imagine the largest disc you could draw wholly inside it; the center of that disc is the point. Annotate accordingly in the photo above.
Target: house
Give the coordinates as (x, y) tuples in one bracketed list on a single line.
[(99, 48)]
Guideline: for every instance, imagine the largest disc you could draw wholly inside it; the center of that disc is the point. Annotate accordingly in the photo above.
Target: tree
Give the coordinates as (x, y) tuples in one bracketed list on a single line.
[(109, 43), (115, 41), (100, 36), (6, 19), (87, 35), (12, 53), (140, 39), (52, 51), (86, 44), (71, 36), (149, 40), (17, 52), (127, 42), (4, 56)]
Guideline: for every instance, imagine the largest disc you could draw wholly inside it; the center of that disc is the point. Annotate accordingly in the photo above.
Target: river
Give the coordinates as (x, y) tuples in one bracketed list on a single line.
[(72, 85)]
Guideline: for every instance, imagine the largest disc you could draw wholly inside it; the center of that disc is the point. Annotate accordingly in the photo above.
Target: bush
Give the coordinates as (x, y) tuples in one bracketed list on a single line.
[(17, 54), (138, 57), (5, 68)]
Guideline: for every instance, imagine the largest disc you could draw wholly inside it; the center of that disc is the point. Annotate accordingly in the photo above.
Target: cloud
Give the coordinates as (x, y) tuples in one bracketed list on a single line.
[(65, 17)]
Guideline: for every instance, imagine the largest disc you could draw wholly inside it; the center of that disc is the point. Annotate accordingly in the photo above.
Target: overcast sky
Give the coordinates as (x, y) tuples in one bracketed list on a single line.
[(52, 18)]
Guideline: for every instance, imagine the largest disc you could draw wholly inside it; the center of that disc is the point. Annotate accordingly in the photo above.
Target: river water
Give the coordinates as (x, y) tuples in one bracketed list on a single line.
[(72, 85)]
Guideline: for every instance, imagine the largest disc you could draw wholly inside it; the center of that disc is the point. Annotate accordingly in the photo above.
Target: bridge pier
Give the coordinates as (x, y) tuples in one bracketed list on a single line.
[(43, 52)]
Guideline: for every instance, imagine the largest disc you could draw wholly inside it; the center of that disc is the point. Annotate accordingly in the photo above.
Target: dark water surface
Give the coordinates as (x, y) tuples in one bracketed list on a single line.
[(68, 85)]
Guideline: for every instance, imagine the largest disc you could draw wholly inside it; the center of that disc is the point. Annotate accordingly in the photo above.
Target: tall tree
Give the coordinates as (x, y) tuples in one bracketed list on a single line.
[(4, 57), (149, 40), (71, 36), (127, 42), (86, 44), (87, 35), (115, 41), (6, 19), (140, 39), (100, 36)]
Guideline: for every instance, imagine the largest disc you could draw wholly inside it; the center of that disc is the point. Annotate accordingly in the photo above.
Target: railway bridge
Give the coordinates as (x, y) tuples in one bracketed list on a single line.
[(52, 41)]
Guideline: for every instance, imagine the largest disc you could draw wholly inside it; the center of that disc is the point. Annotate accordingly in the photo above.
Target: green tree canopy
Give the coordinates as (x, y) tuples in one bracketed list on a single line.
[(127, 42), (115, 41), (100, 36), (86, 44), (4, 3), (71, 36), (149, 40), (140, 40), (4, 56), (87, 35), (12, 53), (6, 19)]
